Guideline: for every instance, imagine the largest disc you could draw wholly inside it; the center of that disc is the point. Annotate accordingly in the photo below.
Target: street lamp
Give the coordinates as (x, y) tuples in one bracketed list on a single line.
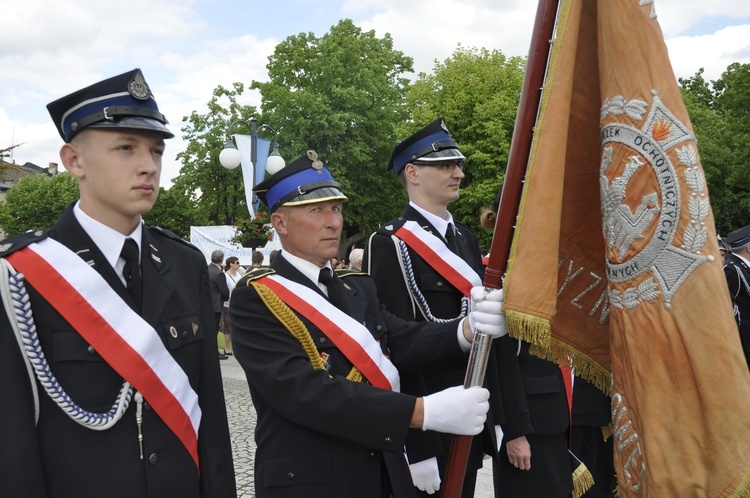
[(230, 156)]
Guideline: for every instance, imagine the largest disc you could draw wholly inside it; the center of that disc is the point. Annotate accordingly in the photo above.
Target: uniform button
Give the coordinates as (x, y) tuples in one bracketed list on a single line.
[(38, 233), (184, 334), (440, 284), (372, 454), (323, 340), (90, 350), (153, 458), (290, 475), (378, 327), (387, 440), (146, 406)]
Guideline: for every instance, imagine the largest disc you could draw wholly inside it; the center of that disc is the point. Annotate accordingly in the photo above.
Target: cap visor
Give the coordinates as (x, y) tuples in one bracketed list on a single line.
[(441, 155), (136, 124), (317, 195)]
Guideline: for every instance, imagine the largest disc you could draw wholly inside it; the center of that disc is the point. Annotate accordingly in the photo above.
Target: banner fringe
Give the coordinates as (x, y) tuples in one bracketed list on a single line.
[(584, 367), (743, 488), (529, 328), (582, 480)]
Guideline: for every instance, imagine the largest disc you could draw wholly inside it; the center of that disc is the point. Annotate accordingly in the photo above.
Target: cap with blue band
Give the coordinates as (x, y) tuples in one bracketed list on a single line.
[(123, 101), (432, 143), (304, 181)]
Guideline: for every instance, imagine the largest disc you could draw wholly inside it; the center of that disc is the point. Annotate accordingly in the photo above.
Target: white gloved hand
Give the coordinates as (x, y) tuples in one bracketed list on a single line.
[(486, 312), (456, 410), (425, 475)]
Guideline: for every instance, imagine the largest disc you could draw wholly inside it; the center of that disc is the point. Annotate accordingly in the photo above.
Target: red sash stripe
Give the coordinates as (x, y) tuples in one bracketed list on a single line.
[(441, 259), (350, 336), (142, 360)]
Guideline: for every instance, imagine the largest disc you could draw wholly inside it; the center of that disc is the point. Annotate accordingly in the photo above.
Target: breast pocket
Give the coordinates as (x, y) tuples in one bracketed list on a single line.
[(432, 282)]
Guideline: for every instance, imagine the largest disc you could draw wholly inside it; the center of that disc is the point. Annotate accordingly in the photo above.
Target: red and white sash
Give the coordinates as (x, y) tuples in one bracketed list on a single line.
[(445, 262), (351, 337), (126, 342)]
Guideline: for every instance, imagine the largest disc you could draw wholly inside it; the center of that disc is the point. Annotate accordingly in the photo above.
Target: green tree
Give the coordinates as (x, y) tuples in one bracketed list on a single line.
[(720, 114), (342, 95), (174, 211), (217, 193), (36, 202), (477, 92)]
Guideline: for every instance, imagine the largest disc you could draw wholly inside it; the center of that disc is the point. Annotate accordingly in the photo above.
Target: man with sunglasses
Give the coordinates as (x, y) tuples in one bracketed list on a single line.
[(423, 263)]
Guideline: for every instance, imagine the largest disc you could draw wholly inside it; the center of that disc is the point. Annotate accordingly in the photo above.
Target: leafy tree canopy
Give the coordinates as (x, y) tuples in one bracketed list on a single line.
[(342, 95), (174, 211), (720, 114), (477, 92), (36, 202), (217, 193)]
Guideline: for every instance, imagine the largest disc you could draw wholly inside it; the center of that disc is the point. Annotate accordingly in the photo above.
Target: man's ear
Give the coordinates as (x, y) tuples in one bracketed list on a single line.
[(70, 154), (411, 173), (278, 222)]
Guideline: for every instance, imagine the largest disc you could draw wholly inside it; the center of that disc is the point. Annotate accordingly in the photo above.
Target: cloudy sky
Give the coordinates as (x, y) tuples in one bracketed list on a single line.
[(186, 48)]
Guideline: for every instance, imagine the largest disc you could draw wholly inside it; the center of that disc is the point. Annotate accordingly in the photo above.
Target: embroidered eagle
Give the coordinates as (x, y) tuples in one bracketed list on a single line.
[(622, 226)]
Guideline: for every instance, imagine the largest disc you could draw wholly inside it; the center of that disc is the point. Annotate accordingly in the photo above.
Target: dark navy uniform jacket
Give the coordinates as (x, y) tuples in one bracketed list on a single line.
[(737, 273), (507, 403), (318, 434), (60, 458)]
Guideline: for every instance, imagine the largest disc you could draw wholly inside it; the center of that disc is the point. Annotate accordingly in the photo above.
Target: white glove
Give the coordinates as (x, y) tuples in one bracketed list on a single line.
[(456, 410), (425, 475), (486, 312)]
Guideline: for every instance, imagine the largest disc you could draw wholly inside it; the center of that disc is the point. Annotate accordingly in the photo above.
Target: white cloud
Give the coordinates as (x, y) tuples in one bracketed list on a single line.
[(186, 47)]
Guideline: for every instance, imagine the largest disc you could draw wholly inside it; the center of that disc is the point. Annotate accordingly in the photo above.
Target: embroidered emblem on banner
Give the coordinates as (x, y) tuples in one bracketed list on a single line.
[(644, 163)]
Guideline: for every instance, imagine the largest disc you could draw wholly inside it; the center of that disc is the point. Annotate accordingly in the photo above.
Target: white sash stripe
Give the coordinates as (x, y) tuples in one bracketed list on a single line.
[(135, 331), (441, 250), (348, 326)]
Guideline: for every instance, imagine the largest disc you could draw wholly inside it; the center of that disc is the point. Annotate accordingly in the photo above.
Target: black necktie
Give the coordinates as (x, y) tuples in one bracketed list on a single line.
[(450, 238), (326, 278), (132, 270)]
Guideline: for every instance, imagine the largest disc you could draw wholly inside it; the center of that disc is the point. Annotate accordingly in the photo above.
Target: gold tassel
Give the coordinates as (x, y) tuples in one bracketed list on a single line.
[(607, 431), (582, 480)]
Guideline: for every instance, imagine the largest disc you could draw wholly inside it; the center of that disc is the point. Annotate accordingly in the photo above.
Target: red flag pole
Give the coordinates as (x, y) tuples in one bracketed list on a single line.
[(536, 69)]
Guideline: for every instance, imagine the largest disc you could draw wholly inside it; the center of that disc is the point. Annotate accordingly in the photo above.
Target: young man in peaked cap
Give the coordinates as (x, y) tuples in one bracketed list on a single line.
[(322, 357), (413, 260), (737, 272), (109, 380)]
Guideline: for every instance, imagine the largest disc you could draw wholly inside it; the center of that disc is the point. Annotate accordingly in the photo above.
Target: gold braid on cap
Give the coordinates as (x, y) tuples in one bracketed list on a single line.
[(294, 325)]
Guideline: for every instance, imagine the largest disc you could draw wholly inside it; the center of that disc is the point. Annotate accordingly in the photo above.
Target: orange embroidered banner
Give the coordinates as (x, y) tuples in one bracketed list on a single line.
[(614, 262)]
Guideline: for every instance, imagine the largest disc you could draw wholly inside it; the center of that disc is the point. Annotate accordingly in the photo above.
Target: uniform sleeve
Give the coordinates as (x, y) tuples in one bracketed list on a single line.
[(732, 274), (517, 420), (279, 370), (21, 472)]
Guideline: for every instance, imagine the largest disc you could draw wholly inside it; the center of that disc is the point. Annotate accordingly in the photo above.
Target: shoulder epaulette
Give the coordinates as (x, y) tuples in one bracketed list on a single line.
[(348, 272), (16, 242), (171, 235), (255, 274), (391, 226)]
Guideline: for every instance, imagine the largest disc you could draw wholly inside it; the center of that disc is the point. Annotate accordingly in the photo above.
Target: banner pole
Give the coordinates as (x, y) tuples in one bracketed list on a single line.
[(536, 69)]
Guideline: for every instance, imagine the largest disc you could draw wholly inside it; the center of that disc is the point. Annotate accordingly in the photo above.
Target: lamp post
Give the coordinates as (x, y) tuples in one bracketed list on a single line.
[(230, 156), (230, 159)]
